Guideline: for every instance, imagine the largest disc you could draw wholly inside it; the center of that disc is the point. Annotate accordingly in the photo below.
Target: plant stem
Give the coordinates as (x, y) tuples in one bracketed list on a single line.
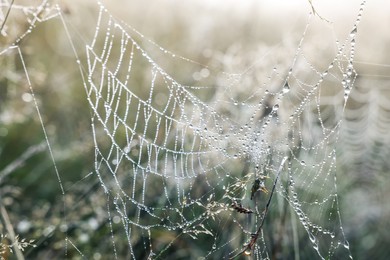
[(253, 240)]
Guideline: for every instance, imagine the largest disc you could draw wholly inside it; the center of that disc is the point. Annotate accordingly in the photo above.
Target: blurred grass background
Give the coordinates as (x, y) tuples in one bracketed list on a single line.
[(221, 34)]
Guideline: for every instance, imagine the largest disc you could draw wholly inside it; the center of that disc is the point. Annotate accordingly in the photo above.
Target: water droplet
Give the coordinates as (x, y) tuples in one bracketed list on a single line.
[(247, 252), (312, 238), (286, 88), (276, 107), (353, 32), (353, 42)]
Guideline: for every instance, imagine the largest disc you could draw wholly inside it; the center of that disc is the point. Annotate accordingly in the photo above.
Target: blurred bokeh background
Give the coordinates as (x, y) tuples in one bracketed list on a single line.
[(227, 35)]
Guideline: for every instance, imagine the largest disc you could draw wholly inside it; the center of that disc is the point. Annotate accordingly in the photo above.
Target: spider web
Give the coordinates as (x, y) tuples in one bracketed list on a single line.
[(177, 159), (195, 157)]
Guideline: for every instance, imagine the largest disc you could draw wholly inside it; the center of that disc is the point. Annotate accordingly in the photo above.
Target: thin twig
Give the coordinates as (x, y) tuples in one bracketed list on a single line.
[(6, 16), (19, 162), (10, 230), (249, 247), (240, 209)]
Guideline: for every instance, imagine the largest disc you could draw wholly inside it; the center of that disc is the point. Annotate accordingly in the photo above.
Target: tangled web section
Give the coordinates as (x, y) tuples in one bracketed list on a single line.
[(193, 160)]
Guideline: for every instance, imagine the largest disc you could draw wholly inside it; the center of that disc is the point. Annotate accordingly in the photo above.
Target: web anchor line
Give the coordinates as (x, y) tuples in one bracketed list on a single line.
[(249, 247)]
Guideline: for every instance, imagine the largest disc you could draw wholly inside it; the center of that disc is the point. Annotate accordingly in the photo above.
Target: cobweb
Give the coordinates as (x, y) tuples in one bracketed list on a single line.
[(220, 164)]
